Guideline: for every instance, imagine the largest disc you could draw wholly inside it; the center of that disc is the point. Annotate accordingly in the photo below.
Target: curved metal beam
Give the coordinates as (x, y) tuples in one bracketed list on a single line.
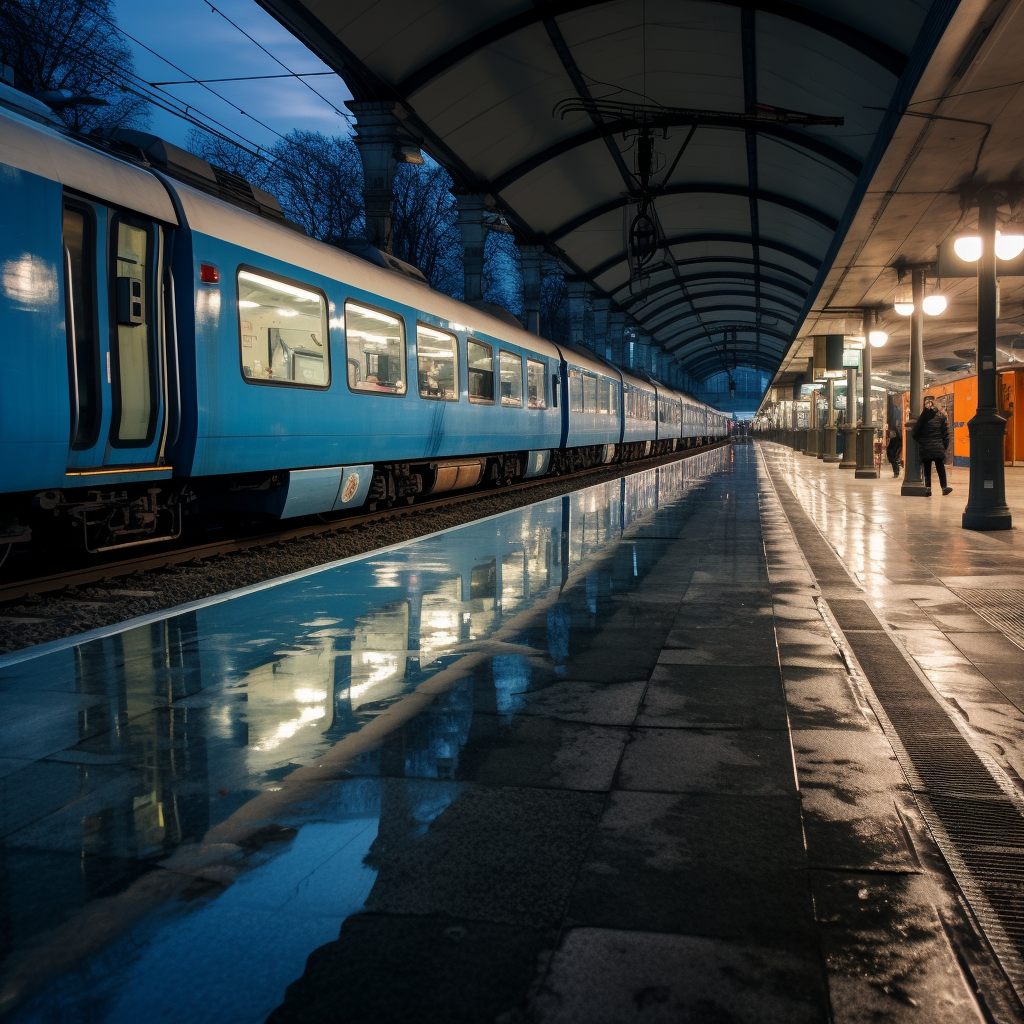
[(742, 261), (710, 325), (812, 143), (652, 313), (712, 188), (739, 326), (874, 49), (730, 275), (728, 238), (666, 286)]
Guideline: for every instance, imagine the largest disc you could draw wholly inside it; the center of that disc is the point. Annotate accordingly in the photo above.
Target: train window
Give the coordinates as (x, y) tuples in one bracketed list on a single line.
[(80, 285), (602, 394), (481, 371), (535, 394), (575, 390), (589, 393), (613, 398), (282, 331), (134, 366), (511, 368), (437, 356), (375, 345)]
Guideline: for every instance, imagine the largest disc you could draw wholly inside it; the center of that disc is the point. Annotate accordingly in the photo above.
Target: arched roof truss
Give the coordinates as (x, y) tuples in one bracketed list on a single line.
[(540, 103)]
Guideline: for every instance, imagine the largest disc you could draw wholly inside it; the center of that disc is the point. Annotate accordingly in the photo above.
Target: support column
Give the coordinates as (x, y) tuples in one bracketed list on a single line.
[(812, 433), (377, 138), (829, 453), (530, 261), (849, 460), (913, 480), (474, 234), (616, 326), (577, 295), (866, 434), (602, 309), (986, 499)]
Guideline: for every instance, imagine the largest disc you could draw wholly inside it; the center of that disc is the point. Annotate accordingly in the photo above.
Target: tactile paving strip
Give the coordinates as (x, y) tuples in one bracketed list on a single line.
[(976, 824), (1003, 608)]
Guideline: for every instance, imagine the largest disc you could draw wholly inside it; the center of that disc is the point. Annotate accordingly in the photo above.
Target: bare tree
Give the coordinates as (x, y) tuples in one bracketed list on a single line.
[(503, 279), (425, 232), (316, 178), (74, 47), (554, 307)]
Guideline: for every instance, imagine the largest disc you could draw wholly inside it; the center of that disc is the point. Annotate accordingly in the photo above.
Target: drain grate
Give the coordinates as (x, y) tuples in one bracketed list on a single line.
[(976, 824), (1003, 608)]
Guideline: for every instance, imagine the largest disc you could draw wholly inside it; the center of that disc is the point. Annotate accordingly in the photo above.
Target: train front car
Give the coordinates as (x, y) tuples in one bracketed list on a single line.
[(87, 401)]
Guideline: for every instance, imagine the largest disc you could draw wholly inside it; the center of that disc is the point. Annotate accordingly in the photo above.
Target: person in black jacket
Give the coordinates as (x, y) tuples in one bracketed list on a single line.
[(932, 436), (894, 451)]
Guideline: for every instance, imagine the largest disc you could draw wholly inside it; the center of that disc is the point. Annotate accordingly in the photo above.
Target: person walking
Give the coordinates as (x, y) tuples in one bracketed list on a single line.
[(932, 436), (894, 451)]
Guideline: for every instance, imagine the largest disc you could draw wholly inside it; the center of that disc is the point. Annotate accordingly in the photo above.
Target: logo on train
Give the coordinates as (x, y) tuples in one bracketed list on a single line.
[(351, 486)]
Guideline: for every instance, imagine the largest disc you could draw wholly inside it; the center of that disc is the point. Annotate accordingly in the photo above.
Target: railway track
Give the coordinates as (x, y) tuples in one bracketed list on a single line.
[(17, 590)]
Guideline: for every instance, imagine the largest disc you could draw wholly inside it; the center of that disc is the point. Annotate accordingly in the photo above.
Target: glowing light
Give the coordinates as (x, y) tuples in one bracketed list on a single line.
[(1009, 247), (968, 248), (878, 338), (903, 308), (305, 695), (279, 286), (933, 305), (247, 304), (287, 312)]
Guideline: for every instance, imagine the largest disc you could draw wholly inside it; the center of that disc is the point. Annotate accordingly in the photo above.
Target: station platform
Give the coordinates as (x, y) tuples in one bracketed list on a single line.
[(734, 739)]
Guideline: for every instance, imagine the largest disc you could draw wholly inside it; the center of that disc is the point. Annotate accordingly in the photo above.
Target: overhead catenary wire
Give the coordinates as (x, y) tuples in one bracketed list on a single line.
[(277, 60)]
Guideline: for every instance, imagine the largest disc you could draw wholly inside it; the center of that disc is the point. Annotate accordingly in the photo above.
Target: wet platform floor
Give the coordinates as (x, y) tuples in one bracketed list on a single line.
[(599, 759)]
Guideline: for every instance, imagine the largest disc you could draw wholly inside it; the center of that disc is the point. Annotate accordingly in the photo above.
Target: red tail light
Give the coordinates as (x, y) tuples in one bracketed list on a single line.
[(208, 274)]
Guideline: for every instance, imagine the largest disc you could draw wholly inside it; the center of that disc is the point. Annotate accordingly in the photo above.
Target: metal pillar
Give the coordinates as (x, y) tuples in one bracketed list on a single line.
[(602, 308), (616, 324), (849, 428), (473, 230), (811, 444), (577, 292), (377, 138), (986, 500), (530, 262), (866, 434), (829, 453), (913, 479)]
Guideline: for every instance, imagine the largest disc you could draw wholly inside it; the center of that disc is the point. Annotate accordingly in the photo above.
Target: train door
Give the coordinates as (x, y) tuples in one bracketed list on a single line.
[(116, 280)]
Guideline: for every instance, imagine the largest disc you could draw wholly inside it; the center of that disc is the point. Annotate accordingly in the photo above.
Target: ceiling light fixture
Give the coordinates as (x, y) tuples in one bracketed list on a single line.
[(1009, 247), (933, 305), (968, 248), (877, 338)]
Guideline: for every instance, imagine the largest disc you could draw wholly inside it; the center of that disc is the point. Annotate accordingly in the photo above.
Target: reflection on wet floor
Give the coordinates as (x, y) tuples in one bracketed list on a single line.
[(191, 807)]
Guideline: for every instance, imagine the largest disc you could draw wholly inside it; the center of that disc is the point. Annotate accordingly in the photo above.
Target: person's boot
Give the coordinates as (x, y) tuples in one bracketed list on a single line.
[(946, 490)]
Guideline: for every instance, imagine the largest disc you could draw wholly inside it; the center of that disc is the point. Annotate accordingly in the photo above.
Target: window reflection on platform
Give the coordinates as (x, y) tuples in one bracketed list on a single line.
[(149, 739)]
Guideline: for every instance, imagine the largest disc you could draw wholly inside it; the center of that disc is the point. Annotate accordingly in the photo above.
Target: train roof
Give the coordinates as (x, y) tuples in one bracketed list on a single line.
[(47, 152), (220, 219)]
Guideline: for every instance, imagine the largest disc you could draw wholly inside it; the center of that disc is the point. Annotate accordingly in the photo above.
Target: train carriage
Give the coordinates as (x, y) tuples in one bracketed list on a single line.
[(176, 346)]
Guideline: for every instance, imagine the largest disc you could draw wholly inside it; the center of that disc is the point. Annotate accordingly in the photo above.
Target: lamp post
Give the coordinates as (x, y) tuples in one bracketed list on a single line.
[(866, 434), (849, 460), (986, 500), (913, 481)]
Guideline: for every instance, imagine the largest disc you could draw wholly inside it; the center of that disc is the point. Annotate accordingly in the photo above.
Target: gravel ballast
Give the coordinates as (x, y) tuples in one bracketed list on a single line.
[(41, 618)]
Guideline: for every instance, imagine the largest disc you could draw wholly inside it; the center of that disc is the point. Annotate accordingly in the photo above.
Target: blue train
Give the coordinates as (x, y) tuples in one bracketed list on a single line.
[(175, 347)]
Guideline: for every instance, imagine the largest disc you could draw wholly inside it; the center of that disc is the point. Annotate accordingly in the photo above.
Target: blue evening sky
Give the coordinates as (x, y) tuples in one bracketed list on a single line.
[(198, 38)]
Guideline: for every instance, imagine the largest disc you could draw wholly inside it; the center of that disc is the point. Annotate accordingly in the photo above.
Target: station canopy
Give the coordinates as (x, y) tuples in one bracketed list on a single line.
[(698, 163)]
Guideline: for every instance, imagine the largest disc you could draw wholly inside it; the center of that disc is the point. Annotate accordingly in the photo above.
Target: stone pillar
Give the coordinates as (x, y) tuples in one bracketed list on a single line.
[(829, 454), (866, 434), (577, 292), (377, 138), (616, 325), (849, 460), (530, 257), (913, 478), (602, 309), (986, 499), (473, 230)]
